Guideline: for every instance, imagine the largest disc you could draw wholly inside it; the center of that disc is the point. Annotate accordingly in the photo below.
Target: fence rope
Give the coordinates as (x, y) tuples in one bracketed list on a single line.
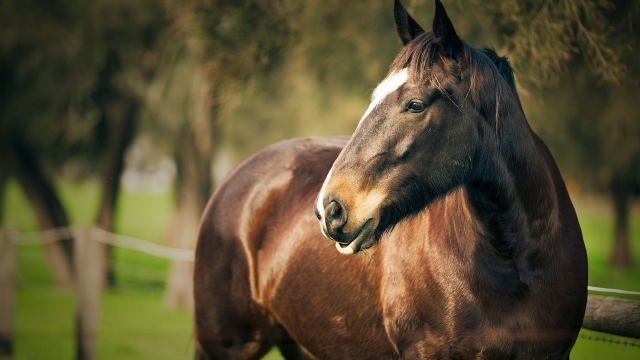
[(60, 233), (56, 234), (616, 291), (41, 237), (144, 246)]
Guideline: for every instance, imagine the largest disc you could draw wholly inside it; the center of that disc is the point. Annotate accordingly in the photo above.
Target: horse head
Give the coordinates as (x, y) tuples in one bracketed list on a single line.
[(427, 131)]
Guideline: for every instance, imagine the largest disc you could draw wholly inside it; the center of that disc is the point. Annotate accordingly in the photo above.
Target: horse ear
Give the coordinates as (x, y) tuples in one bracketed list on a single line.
[(445, 35), (407, 28)]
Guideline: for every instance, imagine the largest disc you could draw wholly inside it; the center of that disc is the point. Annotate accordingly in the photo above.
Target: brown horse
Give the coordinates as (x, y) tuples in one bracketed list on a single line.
[(468, 246)]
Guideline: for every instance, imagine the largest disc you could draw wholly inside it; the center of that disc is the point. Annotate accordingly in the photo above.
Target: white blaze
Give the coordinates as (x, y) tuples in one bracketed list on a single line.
[(390, 84), (386, 87)]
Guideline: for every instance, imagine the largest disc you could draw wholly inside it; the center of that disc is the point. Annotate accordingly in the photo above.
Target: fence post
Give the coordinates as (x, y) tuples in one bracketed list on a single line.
[(89, 264), (613, 316), (7, 292)]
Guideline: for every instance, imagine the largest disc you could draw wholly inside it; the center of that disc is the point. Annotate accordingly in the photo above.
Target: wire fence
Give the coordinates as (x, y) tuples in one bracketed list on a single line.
[(612, 341), (144, 246)]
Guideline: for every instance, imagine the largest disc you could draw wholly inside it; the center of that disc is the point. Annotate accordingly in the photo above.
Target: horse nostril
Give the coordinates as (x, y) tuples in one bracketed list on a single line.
[(335, 216), (336, 212)]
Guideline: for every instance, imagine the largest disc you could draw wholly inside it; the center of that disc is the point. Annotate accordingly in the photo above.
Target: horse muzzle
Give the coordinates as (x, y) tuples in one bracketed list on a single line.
[(333, 222)]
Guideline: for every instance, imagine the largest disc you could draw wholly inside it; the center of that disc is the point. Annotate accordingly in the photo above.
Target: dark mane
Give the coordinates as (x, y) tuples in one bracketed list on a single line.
[(484, 67), (504, 67)]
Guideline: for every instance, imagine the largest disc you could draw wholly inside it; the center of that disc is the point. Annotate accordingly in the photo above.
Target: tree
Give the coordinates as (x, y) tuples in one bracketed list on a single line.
[(125, 34), (213, 47), (36, 80), (543, 37), (180, 102), (63, 97)]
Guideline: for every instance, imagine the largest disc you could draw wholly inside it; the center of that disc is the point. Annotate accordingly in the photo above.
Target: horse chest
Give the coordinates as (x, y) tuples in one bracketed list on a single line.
[(419, 317), (435, 330), (429, 307)]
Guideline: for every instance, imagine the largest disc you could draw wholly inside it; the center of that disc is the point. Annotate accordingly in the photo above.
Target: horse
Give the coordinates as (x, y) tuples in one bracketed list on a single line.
[(463, 241)]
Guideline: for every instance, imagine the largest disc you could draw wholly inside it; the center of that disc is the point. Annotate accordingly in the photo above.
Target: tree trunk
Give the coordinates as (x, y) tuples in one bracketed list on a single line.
[(49, 212), (7, 277), (8, 259), (192, 191), (621, 256), (4, 178), (196, 112), (122, 122)]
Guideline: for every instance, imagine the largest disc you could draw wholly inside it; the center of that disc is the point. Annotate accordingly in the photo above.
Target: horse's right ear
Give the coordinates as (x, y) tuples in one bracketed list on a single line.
[(445, 34), (407, 28)]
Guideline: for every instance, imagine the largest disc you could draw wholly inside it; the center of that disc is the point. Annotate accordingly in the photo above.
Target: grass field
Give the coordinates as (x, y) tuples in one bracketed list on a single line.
[(134, 323)]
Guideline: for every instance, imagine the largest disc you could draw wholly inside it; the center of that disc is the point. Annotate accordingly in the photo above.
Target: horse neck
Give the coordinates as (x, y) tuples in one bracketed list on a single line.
[(512, 193)]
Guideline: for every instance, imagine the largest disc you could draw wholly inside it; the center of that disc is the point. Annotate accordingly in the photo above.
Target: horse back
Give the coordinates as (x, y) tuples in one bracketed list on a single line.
[(262, 262)]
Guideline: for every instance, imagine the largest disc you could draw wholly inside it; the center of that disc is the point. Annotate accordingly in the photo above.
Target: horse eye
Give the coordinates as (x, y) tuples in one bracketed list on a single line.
[(415, 106)]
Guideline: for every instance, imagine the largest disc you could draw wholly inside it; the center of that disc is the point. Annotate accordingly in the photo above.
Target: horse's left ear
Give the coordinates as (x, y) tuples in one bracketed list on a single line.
[(407, 28), (445, 35)]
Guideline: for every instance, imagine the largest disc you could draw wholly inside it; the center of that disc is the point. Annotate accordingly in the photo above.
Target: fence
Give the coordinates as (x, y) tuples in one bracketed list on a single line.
[(605, 314), (89, 262)]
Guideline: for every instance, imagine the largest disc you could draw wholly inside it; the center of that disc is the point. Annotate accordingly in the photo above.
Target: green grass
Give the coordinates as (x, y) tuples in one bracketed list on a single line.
[(596, 221), (138, 326), (44, 323), (17, 212), (592, 345), (134, 324), (141, 215)]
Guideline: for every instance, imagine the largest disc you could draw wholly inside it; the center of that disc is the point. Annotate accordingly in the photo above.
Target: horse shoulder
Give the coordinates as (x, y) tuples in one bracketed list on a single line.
[(234, 223)]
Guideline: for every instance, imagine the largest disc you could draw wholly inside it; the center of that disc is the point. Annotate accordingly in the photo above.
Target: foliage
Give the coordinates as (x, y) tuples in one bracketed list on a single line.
[(55, 56), (242, 38), (544, 36), (591, 125)]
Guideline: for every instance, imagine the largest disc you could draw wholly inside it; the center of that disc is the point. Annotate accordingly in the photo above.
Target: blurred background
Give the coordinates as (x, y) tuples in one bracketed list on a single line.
[(123, 116)]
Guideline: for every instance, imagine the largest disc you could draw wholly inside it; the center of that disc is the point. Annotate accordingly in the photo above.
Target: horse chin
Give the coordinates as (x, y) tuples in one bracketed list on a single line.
[(364, 240)]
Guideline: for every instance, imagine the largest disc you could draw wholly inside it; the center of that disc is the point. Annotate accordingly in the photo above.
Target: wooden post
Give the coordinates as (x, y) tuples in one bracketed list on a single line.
[(90, 262), (613, 316), (7, 292)]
